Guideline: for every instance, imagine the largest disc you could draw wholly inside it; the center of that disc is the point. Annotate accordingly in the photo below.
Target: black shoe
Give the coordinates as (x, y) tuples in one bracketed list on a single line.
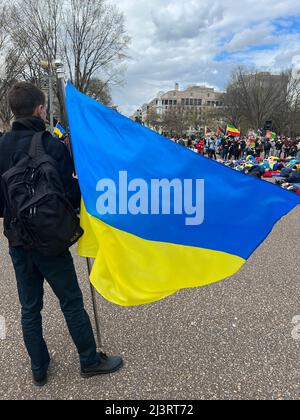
[(40, 381), (105, 366)]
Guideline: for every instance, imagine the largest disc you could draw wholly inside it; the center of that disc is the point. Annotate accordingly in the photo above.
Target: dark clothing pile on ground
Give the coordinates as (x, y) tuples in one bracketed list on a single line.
[(287, 171)]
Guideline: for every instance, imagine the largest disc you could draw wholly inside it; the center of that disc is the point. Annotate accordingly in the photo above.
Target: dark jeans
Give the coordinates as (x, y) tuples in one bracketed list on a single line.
[(31, 269), (212, 154), (224, 154)]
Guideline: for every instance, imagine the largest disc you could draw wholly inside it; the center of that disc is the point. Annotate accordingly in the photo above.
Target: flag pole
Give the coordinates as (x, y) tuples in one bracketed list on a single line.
[(61, 86), (95, 307)]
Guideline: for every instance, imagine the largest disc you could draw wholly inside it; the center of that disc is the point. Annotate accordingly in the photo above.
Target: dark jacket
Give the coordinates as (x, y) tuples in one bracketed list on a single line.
[(294, 178), (15, 145)]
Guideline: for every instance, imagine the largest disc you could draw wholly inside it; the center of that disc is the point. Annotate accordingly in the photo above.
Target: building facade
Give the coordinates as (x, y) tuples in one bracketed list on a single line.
[(194, 97), (201, 102)]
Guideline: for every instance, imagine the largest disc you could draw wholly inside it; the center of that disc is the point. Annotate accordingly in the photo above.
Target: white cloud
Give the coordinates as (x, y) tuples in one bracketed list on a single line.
[(178, 21), (176, 41), (250, 37)]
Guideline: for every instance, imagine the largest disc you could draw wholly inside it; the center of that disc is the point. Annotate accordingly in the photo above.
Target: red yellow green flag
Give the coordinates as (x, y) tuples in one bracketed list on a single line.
[(232, 131)]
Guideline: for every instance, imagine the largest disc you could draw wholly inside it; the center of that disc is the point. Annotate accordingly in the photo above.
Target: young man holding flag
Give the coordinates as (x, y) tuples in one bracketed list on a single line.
[(27, 103)]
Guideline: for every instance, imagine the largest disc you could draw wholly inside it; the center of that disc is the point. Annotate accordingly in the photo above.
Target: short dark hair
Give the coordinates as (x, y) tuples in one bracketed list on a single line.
[(24, 98)]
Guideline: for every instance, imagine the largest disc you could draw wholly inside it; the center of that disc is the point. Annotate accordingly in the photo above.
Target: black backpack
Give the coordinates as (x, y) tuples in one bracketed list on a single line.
[(41, 216)]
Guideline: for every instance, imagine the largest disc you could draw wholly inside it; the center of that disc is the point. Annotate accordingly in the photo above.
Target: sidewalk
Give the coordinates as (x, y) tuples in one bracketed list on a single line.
[(232, 340)]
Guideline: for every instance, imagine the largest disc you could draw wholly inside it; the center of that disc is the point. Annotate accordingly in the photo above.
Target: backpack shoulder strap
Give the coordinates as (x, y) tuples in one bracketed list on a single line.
[(37, 147)]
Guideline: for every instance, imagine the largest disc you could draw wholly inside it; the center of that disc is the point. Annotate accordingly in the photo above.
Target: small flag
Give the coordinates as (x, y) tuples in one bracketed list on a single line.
[(221, 132), (232, 131), (208, 131), (271, 135), (59, 131)]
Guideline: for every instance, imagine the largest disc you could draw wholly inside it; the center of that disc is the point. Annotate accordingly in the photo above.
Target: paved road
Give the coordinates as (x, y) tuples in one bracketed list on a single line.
[(232, 340)]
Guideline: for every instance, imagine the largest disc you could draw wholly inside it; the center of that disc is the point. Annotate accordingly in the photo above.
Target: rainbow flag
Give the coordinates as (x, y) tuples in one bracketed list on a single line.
[(151, 212), (232, 131)]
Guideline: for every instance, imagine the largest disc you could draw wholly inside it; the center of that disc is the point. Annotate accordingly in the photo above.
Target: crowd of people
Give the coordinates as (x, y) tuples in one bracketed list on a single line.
[(231, 148), (261, 157)]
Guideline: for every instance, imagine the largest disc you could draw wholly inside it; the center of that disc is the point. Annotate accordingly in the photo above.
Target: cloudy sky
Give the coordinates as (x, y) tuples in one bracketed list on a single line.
[(201, 41)]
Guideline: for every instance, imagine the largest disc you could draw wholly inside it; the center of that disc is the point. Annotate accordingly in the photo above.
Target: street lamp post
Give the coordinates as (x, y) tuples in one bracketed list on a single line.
[(46, 65), (51, 114), (60, 75)]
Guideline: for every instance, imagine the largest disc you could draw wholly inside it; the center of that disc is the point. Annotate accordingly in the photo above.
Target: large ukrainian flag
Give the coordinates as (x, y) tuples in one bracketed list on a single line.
[(143, 258)]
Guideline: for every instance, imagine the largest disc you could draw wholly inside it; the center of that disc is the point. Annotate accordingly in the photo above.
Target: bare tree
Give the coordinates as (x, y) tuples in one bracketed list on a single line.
[(10, 66), (233, 112), (11, 71), (89, 37), (153, 119), (175, 121), (288, 118), (100, 91), (34, 28), (95, 41), (254, 97)]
